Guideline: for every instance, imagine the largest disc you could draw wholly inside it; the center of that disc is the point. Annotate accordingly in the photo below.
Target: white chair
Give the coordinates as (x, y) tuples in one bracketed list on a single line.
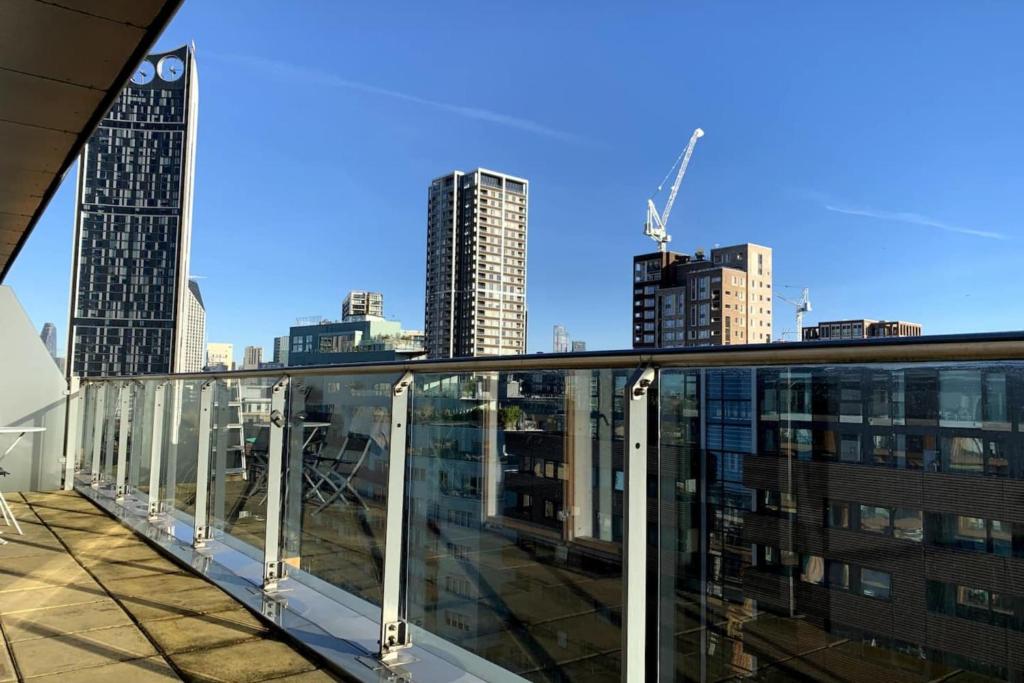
[(5, 509)]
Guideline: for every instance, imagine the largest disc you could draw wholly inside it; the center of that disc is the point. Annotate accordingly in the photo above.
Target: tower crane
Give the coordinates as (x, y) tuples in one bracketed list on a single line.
[(803, 305), (656, 225)]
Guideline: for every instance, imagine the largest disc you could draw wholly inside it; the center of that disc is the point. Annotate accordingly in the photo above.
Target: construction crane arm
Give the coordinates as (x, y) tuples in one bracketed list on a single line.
[(699, 133), (657, 221)]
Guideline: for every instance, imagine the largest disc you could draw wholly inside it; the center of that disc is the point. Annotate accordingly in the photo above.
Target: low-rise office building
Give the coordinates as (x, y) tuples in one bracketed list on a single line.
[(860, 329), (358, 339)]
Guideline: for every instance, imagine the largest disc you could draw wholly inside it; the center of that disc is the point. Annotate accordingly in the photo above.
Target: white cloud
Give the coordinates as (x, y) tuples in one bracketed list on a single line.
[(310, 76), (914, 219)]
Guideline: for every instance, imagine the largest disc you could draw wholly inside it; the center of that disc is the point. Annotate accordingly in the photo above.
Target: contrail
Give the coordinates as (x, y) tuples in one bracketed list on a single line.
[(915, 219), (316, 77)]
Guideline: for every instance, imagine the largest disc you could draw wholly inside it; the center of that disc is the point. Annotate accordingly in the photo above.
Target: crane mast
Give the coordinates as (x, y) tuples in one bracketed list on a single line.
[(656, 225), (802, 306)]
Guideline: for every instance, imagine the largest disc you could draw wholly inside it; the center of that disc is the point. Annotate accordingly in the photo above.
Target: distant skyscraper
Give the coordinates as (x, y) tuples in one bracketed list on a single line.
[(195, 331), (578, 346), (476, 265), (252, 358), (49, 337), (362, 303), (281, 350), (220, 356), (133, 225), (560, 340)]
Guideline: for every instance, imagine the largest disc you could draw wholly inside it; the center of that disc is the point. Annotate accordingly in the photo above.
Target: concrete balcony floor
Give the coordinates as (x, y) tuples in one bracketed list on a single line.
[(83, 599)]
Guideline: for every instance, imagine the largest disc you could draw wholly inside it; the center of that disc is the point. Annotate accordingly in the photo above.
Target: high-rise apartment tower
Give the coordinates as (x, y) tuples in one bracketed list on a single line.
[(252, 357), (281, 345), (195, 331), (133, 225), (476, 265)]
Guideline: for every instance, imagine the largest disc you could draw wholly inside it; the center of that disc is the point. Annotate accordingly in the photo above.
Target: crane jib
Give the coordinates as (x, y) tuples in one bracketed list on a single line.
[(657, 222)]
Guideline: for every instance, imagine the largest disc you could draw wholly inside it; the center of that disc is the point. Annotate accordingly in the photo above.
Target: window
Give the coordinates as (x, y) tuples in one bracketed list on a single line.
[(849, 448), (907, 524), (1000, 538), (914, 450), (962, 454), (1007, 611), (838, 515), (879, 409), (997, 460), (875, 519), (995, 400), (970, 533), (881, 451), (960, 398), (940, 597), (875, 584), (976, 604), (779, 503), (972, 603), (838, 575), (825, 446), (812, 569)]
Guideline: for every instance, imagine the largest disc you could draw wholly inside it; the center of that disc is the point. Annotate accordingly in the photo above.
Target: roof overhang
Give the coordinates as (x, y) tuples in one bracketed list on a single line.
[(62, 64)]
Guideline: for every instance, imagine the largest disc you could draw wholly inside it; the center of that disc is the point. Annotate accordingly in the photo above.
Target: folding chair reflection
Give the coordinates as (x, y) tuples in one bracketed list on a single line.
[(343, 469)]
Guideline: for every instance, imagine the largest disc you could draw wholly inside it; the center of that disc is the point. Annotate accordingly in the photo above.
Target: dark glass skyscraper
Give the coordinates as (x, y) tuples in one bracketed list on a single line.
[(133, 225)]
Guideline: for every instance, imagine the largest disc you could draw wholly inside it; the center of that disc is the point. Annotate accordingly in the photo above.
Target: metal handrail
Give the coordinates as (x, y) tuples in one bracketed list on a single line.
[(987, 346)]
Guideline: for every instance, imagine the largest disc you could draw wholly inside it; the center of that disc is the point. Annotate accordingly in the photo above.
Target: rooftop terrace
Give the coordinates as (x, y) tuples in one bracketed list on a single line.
[(85, 599)]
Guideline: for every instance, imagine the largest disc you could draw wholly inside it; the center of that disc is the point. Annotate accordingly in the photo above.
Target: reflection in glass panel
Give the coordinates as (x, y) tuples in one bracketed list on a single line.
[(337, 469), (995, 402), (140, 450), (838, 575), (87, 420), (850, 448), (972, 603), (238, 475), (875, 584), (881, 453), (970, 533), (507, 558), (813, 569), (962, 454), (181, 443), (875, 519), (108, 444), (838, 515), (907, 524), (739, 609), (960, 398), (1002, 538)]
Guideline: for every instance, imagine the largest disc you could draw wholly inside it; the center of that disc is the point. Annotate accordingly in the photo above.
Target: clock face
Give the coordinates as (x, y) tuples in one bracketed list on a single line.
[(144, 74), (171, 68)]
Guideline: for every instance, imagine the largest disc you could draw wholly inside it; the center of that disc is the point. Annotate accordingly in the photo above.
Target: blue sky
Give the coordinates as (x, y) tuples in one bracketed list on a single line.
[(876, 146)]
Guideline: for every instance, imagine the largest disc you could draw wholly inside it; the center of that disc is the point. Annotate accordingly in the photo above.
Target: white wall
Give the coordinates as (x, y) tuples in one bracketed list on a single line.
[(32, 393)]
